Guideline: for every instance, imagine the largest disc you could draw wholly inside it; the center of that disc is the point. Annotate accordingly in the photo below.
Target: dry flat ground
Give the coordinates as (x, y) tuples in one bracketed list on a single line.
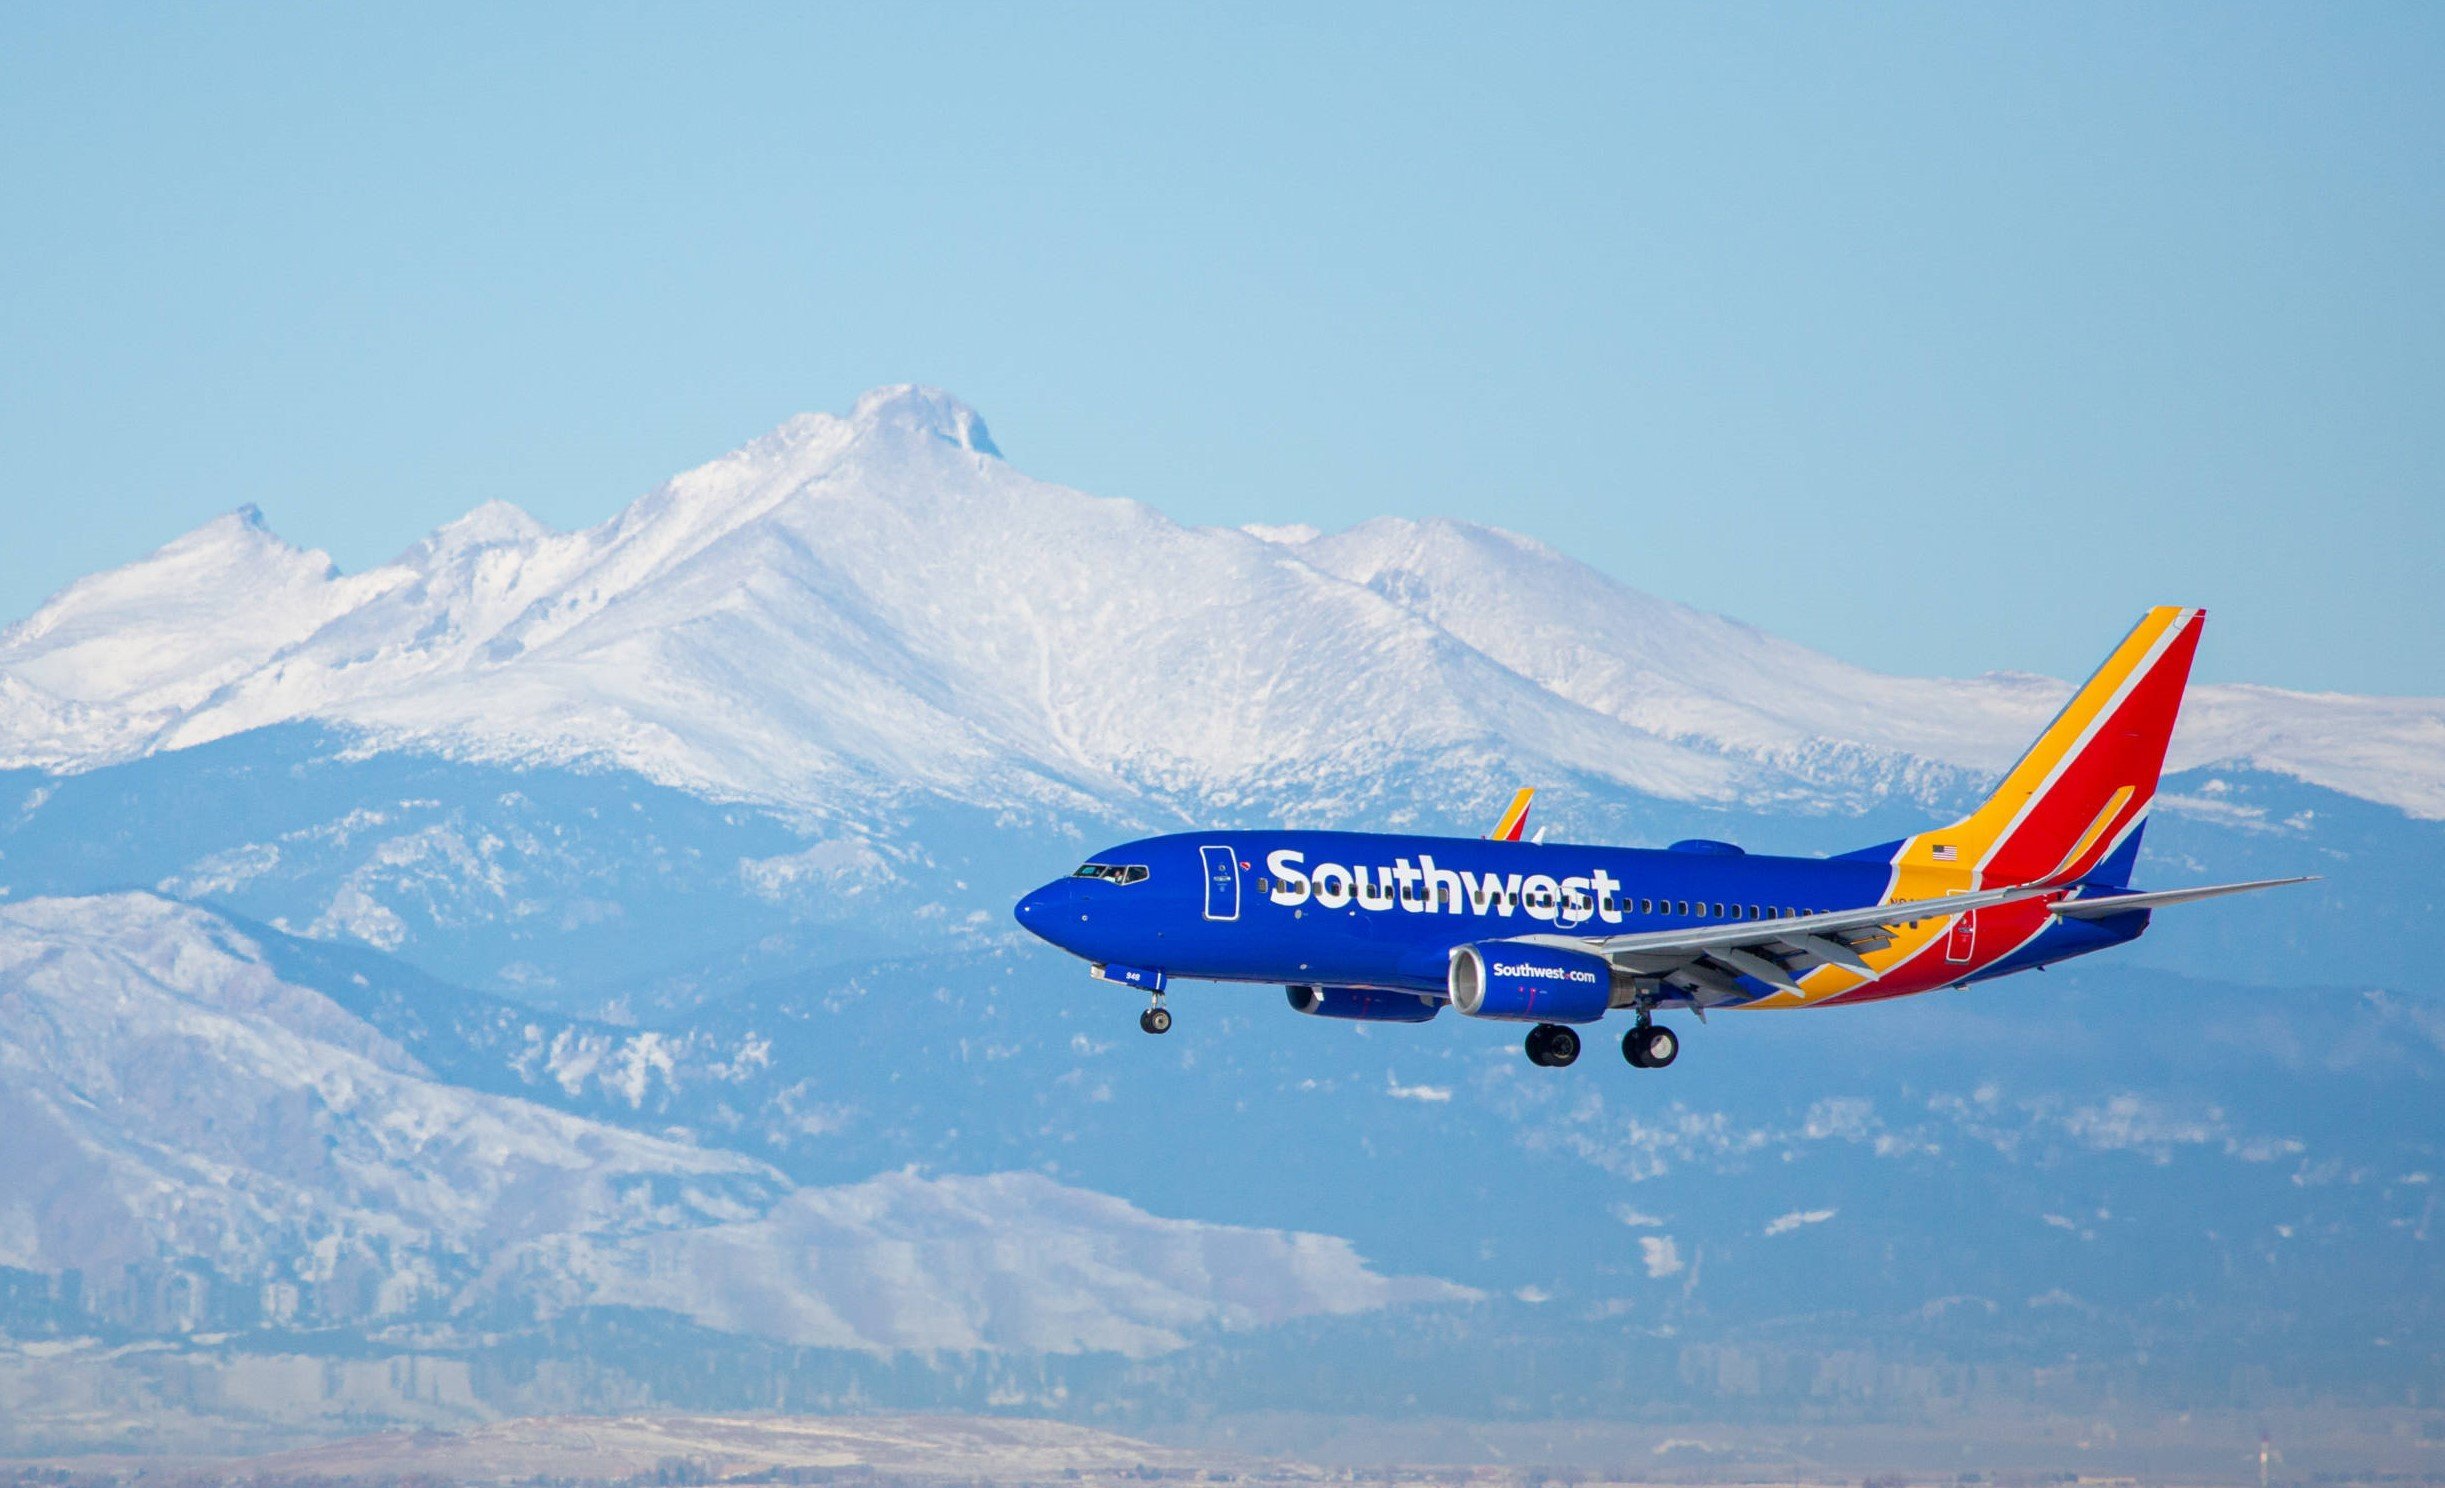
[(974, 1452), (681, 1449), (1998, 1448)]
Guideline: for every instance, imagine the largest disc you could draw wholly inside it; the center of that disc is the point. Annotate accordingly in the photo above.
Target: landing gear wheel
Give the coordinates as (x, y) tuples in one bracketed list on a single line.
[(1552, 1045), (1651, 1046), (1156, 1020)]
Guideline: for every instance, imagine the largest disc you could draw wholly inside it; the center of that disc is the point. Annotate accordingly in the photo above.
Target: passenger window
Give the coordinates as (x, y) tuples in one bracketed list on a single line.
[(1719, 911)]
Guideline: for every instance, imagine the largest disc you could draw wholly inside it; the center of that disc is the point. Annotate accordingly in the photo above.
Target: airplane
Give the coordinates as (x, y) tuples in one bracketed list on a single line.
[(1390, 927)]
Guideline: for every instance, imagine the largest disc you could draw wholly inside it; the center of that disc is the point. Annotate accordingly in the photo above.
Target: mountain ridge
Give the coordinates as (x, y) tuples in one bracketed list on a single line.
[(879, 600), (173, 1103)]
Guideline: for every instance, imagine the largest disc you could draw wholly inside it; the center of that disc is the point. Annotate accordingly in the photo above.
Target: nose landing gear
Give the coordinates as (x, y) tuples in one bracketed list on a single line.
[(1156, 1019), (1552, 1045)]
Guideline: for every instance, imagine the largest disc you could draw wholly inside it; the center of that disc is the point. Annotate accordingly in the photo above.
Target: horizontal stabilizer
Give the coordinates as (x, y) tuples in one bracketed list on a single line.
[(2114, 904)]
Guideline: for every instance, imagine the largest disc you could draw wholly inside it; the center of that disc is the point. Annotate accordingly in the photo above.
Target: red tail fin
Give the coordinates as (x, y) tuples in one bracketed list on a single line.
[(2088, 780)]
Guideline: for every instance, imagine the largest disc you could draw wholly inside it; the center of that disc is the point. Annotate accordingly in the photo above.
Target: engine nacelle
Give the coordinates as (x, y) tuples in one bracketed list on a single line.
[(1513, 980), (1366, 1004)]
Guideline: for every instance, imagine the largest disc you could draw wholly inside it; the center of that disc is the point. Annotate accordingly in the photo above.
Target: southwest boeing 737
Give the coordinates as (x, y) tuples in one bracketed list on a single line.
[(1392, 927)]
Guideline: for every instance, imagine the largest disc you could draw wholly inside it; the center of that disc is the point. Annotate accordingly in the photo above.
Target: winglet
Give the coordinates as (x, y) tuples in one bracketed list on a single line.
[(1515, 816)]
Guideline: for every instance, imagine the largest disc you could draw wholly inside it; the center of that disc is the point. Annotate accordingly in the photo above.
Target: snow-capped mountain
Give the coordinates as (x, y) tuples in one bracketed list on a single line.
[(596, 944), (202, 1143), (1676, 673), (882, 602)]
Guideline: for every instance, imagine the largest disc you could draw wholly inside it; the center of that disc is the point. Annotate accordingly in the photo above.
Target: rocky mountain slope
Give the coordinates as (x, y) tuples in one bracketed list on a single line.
[(205, 1145)]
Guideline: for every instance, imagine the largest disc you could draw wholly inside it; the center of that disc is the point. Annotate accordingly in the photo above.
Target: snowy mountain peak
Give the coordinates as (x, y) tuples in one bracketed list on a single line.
[(908, 408), (161, 633), (495, 524), (860, 603), (241, 533)]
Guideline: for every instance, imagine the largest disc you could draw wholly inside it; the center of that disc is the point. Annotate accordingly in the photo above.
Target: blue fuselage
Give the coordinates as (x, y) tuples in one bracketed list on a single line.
[(1382, 910)]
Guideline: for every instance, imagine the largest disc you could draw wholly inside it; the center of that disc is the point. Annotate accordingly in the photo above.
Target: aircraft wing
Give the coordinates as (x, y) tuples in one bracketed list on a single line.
[(1705, 961)]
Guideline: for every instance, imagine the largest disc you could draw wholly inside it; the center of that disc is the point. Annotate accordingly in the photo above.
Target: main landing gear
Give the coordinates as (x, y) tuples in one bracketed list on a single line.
[(1156, 1019), (1552, 1045), (1648, 1046), (1651, 1045)]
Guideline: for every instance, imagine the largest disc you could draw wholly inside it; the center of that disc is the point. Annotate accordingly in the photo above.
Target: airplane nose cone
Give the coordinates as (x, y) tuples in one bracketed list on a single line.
[(1038, 910)]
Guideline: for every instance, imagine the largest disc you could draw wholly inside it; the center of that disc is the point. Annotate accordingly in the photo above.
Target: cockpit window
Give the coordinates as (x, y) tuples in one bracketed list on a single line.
[(1120, 873)]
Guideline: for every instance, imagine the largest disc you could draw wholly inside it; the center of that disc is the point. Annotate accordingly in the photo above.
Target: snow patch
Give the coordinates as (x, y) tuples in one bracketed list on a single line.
[(844, 866)]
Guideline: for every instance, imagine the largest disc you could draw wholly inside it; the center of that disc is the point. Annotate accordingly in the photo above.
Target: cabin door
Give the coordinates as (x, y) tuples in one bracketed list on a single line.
[(1962, 941), (1222, 883)]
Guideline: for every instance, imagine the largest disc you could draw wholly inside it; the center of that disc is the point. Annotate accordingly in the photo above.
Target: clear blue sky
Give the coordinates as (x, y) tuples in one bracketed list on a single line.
[(1940, 337)]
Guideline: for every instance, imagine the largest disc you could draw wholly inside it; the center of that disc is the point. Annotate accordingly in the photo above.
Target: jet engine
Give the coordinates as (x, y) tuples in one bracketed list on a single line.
[(1367, 1004), (1516, 981)]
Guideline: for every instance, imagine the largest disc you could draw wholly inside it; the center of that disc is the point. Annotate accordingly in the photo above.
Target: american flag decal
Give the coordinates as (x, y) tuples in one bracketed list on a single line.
[(1946, 853)]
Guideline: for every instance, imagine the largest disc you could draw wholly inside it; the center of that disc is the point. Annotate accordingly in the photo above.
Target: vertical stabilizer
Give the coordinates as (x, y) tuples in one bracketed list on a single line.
[(2079, 795)]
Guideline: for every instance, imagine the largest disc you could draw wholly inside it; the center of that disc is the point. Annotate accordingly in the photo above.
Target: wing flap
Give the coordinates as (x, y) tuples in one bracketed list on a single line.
[(1750, 964), (1706, 961), (1827, 950), (1855, 929)]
